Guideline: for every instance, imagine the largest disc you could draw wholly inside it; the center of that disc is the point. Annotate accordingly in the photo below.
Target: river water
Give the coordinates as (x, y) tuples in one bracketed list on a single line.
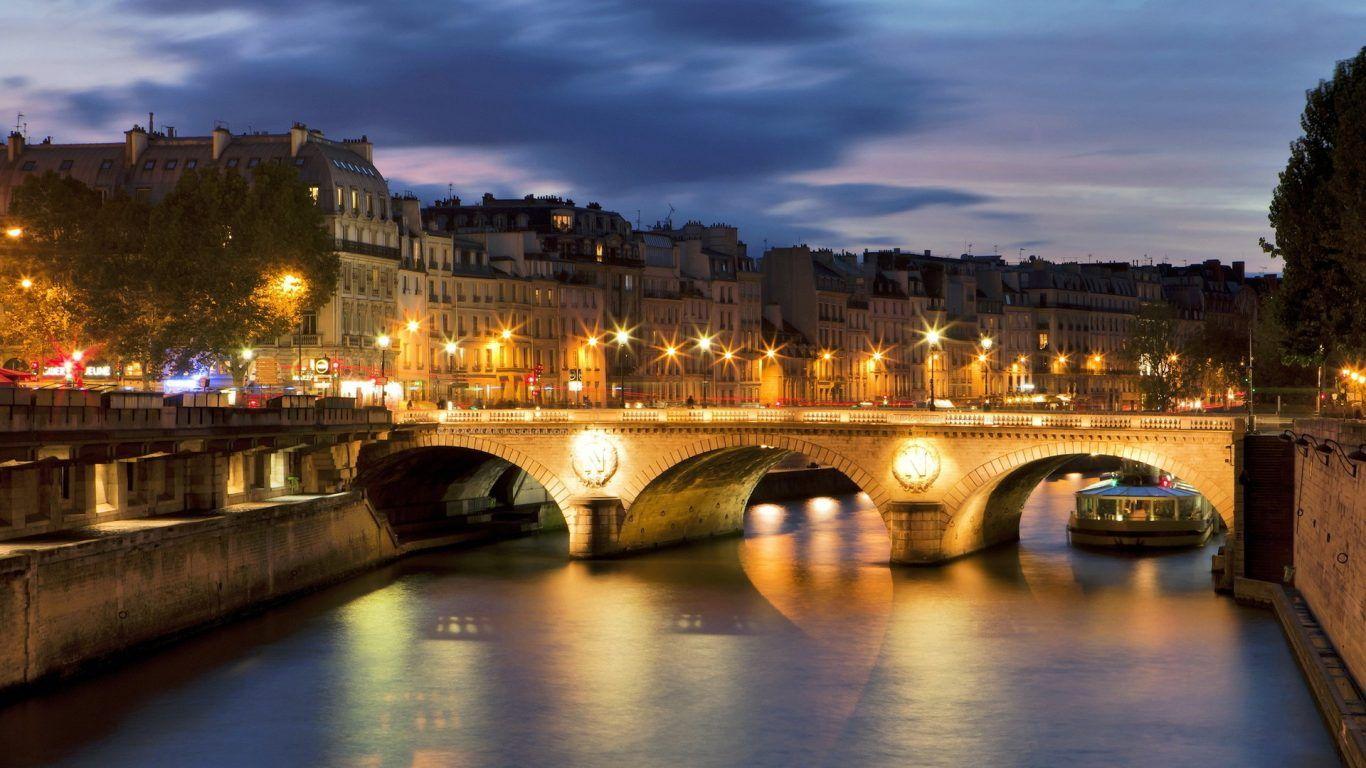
[(796, 645)]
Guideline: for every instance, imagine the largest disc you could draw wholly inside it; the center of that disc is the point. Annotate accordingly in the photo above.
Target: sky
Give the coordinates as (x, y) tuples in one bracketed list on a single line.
[(1120, 130)]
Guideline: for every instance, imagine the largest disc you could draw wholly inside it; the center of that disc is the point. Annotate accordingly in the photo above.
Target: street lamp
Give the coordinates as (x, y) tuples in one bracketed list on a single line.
[(14, 233), (622, 337), (382, 341), (704, 344), (932, 338), (26, 283)]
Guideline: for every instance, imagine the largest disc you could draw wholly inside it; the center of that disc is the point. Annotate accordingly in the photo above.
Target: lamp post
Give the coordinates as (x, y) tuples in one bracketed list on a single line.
[(704, 344), (592, 342), (621, 337), (932, 338), (984, 357), (382, 341)]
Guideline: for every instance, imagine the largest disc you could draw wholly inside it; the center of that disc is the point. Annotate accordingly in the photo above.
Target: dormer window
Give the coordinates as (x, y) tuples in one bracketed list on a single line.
[(65, 166), (253, 162), (106, 165), (28, 166), (149, 165), (232, 162), (191, 164), (562, 221), (170, 165)]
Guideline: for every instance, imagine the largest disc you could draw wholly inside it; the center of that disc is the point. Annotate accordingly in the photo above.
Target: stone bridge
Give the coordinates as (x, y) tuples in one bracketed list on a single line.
[(946, 483)]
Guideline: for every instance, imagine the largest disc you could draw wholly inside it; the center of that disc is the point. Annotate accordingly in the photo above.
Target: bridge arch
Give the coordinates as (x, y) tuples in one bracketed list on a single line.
[(446, 471), (817, 451), (702, 489), (983, 508)]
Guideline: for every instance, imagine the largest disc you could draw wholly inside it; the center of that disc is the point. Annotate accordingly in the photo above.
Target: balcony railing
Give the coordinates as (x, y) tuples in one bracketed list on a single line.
[(367, 249)]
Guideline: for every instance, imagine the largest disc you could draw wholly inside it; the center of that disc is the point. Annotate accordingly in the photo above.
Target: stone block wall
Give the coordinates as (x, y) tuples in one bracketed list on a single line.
[(64, 606), (1330, 538)]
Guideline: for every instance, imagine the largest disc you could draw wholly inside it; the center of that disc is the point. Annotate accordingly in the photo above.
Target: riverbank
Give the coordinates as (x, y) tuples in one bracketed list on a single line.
[(71, 602), (1339, 698)]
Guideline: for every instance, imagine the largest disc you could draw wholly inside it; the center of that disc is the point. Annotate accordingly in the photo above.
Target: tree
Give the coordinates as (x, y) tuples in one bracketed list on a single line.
[(250, 259), (1318, 212), (1156, 352)]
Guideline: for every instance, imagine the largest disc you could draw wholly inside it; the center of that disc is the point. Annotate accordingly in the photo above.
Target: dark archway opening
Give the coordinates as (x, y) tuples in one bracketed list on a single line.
[(446, 495)]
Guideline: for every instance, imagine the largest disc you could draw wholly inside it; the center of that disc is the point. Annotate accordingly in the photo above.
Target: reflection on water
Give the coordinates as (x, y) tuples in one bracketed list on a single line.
[(795, 645)]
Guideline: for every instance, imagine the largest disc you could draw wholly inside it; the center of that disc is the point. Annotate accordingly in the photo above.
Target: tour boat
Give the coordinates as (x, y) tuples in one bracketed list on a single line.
[(1127, 511)]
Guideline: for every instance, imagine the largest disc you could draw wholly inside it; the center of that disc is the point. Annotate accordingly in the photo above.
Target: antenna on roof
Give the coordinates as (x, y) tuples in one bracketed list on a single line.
[(20, 126)]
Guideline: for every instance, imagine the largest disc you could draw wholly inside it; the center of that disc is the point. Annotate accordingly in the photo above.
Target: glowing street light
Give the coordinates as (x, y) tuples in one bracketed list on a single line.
[(26, 283), (770, 353), (507, 334), (728, 355), (78, 355), (413, 326), (592, 341), (382, 341), (622, 337), (987, 342), (451, 347), (14, 233), (291, 284), (671, 350), (248, 353), (827, 356), (704, 343)]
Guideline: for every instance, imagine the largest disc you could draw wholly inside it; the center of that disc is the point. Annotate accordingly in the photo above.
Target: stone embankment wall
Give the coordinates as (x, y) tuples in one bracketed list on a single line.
[(1330, 537), (65, 605)]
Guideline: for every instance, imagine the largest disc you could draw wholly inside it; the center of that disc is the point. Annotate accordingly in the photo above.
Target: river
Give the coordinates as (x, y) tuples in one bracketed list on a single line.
[(796, 645)]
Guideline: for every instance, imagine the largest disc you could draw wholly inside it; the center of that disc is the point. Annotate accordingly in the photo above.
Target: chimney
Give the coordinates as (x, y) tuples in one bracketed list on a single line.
[(927, 253), (298, 136), (134, 142), (1239, 270), (362, 147), (412, 213), (16, 145), (773, 313), (221, 137)]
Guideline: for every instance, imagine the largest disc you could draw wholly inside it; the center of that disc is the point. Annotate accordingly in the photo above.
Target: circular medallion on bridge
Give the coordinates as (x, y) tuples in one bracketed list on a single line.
[(594, 458), (916, 466)]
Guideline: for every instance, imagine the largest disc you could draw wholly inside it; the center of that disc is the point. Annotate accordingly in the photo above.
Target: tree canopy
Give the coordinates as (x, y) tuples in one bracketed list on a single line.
[(1318, 212), (1154, 347), (218, 264)]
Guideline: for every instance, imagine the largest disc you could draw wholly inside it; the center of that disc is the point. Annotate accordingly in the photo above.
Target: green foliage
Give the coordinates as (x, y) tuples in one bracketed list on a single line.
[(1154, 348), (184, 283), (1319, 214)]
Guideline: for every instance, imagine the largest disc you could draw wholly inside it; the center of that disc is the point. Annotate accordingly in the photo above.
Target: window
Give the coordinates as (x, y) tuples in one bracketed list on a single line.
[(191, 164), (149, 165), (253, 162), (232, 162), (563, 220), (65, 166), (299, 161), (170, 165), (106, 165), (1043, 341), (313, 193), (355, 200), (341, 199), (28, 166)]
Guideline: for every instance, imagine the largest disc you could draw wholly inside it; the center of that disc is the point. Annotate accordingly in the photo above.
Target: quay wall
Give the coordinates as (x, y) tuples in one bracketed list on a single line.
[(1330, 537), (64, 606)]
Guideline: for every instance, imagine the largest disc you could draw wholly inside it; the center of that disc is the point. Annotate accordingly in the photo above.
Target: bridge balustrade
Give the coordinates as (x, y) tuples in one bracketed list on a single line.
[(1070, 420)]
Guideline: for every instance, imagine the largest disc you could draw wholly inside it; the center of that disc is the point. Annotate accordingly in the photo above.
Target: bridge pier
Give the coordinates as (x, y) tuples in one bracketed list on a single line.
[(917, 531), (595, 526)]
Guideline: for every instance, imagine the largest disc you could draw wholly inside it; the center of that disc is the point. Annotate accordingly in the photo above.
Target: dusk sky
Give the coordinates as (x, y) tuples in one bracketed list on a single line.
[(1061, 127)]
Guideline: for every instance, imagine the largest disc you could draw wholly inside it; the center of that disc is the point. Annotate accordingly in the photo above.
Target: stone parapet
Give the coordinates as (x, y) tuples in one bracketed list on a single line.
[(67, 603)]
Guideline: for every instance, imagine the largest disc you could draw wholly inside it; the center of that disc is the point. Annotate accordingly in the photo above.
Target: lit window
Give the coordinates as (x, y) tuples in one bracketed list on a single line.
[(1043, 341), (313, 193), (563, 220)]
